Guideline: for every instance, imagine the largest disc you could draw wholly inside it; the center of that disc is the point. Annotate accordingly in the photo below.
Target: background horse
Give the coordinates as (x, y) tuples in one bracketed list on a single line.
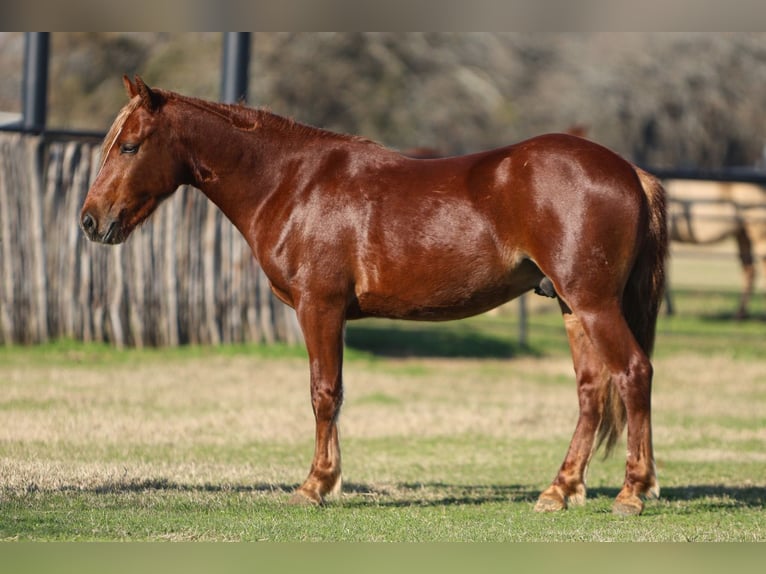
[(345, 228), (706, 212)]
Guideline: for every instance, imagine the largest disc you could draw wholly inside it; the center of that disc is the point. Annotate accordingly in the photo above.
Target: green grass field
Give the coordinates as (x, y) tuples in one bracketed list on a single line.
[(449, 433)]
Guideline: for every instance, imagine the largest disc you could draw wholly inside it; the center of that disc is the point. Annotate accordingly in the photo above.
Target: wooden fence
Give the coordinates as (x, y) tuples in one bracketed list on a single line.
[(186, 276)]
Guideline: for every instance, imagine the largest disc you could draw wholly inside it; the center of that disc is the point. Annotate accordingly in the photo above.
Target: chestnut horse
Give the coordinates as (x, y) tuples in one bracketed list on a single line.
[(345, 228)]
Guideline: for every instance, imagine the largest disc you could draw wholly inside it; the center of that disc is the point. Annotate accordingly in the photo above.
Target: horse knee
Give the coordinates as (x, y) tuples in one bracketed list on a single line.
[(326, 401)]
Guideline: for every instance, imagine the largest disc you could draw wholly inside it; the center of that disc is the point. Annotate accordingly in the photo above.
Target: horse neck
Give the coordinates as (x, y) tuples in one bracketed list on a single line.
[(235, 155)]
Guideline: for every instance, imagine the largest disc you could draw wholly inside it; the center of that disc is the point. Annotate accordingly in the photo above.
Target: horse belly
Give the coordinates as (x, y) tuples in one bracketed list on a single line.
[(442, 290)]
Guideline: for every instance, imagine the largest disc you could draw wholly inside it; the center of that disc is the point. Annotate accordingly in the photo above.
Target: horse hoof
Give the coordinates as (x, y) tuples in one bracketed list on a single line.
[(303, 498), (550, 504), (628, 506)]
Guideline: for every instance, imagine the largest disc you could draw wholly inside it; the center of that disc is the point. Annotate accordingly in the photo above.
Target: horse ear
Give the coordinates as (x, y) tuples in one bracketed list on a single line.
[(129, 87), (149, 98)]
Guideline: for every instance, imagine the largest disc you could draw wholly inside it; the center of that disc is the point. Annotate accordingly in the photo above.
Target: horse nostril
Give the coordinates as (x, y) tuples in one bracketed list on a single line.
[(88, 223)]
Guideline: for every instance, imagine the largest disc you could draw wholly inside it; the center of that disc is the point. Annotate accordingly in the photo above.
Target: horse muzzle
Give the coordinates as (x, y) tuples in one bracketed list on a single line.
[(110, 231)]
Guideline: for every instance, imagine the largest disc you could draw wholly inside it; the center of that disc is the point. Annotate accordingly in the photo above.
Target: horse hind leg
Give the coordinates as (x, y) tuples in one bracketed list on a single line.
[(568, 488), (631, 372), (745, 251)]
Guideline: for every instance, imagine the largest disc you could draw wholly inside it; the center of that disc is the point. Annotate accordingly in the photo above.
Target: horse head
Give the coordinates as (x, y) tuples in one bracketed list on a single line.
[(140, 167)]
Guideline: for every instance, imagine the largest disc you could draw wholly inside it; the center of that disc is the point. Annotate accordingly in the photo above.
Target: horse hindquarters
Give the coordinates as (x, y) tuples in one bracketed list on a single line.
[(611, 344)]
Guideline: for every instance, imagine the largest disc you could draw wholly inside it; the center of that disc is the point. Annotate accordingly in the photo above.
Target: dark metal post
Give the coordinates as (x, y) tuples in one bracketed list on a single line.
[(236, 63), (35, 87), (523, 320)]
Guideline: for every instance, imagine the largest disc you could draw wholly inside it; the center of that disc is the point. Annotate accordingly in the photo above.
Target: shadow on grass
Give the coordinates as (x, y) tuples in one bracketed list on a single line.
[(163, 484), (356, 494), (732, 317), (751, 496), (716, 306), (427, 494), (441, 340), (441, 494), (436, 494), (714, 497)]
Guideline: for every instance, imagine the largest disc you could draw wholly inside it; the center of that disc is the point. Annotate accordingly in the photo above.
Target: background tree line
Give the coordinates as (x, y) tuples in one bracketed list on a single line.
[(663, 99)]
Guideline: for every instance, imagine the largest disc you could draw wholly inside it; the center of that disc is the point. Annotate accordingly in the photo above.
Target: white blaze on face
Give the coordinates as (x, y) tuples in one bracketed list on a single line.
[(114, 132)]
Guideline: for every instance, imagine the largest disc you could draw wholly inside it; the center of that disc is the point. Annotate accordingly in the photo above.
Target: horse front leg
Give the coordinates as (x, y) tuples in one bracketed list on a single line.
[(323, 333)]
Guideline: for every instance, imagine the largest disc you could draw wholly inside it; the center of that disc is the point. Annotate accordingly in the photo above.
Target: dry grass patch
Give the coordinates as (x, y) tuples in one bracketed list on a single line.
[(59, 419), (233, 420)]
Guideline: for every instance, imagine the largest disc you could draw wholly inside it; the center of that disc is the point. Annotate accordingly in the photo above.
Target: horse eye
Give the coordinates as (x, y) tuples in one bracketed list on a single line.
[(128, 148)]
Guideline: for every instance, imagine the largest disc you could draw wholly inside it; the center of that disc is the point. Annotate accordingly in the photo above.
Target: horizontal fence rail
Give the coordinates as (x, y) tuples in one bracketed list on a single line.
[(188, 277), (732, 174)]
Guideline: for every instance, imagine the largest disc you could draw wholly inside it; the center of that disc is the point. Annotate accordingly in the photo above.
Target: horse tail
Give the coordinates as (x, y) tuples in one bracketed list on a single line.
[(641, 299), (646, 285)]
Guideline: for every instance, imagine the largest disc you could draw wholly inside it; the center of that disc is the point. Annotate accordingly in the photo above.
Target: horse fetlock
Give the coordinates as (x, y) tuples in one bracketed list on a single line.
[(561, 496), (642, 484), (630, 500), (337, 486), (317, 487), (578, 496), (653, 492)]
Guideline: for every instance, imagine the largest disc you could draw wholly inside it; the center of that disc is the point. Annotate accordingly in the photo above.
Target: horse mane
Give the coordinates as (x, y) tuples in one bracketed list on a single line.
[(245, 118)]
